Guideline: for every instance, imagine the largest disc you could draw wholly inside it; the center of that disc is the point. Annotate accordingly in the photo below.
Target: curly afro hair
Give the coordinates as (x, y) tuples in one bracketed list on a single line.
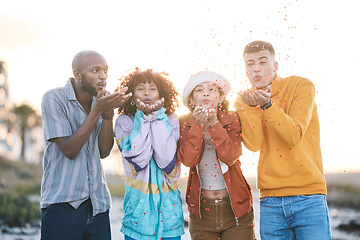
[(164, 85)]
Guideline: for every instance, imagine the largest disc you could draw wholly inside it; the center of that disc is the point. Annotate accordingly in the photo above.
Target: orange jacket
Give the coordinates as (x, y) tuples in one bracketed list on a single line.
[(226, 136)]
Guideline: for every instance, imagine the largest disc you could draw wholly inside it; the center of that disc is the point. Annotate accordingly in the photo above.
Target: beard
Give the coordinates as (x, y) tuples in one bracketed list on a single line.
[(86, 86)]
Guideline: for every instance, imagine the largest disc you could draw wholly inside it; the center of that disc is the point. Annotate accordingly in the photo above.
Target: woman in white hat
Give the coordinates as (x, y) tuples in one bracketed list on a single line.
[(218, 196)]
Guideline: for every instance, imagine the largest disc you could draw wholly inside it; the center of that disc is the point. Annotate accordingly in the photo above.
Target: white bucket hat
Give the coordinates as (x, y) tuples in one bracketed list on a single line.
[(201, 77)]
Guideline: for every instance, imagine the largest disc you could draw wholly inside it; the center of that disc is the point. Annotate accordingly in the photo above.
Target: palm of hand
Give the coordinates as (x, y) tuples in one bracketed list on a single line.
[(147, 109), (257, 98)]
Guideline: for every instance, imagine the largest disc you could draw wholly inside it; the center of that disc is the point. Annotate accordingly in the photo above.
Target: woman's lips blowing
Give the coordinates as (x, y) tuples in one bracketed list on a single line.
[(147, 101), (206, 101)]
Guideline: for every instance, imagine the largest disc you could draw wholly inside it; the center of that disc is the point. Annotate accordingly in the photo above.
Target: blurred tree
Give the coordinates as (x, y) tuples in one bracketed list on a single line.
[(27, 118)]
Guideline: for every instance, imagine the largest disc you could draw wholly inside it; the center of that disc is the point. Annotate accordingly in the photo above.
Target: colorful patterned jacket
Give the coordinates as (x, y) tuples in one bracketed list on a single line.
[(152, 203)]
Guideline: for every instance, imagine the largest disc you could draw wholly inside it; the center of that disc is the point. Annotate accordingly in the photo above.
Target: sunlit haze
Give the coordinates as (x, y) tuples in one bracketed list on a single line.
[(313, 39)]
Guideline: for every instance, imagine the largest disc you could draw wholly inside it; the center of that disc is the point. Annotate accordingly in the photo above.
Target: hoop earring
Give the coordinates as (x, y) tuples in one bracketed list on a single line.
[(132, 103)]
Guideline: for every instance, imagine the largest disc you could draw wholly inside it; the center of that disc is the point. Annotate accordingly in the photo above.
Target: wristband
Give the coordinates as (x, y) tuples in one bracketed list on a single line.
[(108, 116), (267, 105)]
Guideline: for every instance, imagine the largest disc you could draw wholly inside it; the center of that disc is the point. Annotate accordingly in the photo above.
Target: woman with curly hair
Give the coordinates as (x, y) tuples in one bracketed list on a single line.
[(147, 131)]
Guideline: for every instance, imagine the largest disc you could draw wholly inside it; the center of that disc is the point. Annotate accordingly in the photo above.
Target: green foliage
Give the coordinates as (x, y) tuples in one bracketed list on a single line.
[(24, 111), (23, 174), (18, 180), (17, 209), (29, 189)]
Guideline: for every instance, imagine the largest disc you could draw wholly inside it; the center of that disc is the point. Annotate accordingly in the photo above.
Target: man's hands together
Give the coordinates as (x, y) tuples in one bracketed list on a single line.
[(259, 97)]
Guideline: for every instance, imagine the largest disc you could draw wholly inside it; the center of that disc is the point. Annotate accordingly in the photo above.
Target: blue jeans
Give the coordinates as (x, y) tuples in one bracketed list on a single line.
[(61, 221), (171, 238), (303, 217)]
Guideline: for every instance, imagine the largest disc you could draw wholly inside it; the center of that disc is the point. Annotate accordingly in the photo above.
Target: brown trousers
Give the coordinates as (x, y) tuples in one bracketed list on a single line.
[(218, 222)]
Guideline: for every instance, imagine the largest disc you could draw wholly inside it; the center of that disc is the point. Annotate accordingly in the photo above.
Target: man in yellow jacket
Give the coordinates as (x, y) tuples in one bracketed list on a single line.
[(279, 117)]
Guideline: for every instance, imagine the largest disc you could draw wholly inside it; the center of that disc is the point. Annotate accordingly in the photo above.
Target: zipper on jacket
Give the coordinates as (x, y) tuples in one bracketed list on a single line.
[(237, 221), (197, 170)]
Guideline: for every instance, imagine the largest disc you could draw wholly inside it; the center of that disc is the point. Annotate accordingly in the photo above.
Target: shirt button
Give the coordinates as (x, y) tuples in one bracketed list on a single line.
[(91, 173)]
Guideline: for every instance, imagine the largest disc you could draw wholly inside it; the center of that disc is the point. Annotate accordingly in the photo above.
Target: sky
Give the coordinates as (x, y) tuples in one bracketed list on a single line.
[(318, 40)]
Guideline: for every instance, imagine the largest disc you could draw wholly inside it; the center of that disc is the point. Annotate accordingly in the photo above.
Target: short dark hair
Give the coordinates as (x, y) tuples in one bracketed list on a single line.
[(257, 46)]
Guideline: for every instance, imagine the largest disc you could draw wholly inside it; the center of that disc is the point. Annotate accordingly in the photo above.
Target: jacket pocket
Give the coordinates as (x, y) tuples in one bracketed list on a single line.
[(139, 214), (171, 206)]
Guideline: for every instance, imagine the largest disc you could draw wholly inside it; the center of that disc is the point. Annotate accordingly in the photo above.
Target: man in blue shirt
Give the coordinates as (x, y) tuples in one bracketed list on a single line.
[(78, 131)]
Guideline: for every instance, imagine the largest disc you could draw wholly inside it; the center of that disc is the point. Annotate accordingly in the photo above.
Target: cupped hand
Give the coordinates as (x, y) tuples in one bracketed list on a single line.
[(158, 104), (262, 96), (147, 109), (201, 115), (124, 97), (212, 116), (107, 102), (247, 97), (258, 98)]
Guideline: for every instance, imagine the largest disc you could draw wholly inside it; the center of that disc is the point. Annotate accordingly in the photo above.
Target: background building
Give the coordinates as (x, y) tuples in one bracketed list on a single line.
[(6, 118), (10, 127)]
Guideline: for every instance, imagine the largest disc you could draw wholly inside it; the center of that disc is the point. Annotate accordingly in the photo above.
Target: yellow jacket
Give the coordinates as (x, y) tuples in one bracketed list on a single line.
[(288, 137)]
